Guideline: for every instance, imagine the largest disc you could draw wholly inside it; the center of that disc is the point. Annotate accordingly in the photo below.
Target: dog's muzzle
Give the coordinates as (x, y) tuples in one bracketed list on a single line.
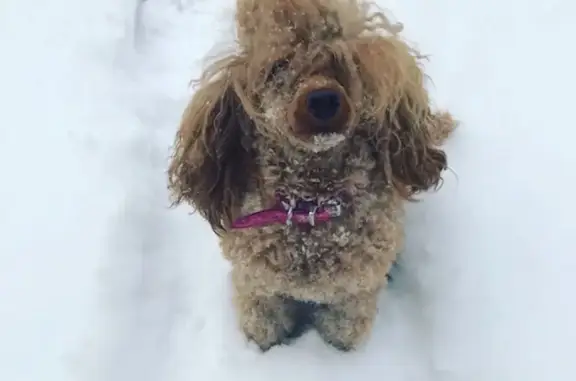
[(320, 109)]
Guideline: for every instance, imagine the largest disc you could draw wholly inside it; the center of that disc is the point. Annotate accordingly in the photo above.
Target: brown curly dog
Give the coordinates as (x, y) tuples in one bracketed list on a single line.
[(300, 149)]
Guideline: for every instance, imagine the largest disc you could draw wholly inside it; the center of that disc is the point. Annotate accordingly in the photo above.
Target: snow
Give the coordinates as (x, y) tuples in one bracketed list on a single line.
[(100, 280)]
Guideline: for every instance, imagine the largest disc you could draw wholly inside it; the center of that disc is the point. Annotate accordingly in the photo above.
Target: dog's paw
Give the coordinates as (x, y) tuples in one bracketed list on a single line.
[(342, 347), (340, 333), (268, 335), (345, 326), (267, 322)]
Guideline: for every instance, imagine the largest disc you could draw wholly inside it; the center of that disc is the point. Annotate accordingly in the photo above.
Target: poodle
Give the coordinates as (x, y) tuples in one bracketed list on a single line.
[(300, 149)]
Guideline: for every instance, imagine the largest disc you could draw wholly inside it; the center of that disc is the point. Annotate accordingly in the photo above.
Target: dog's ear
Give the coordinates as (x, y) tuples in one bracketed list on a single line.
[(408, 134), (212, 162), (416, 161)]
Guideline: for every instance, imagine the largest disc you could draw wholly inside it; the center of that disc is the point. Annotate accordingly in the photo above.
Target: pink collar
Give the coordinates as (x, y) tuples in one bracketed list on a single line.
[(301, 213)]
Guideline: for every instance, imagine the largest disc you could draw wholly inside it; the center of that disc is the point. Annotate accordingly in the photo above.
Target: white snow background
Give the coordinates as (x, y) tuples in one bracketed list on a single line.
[(101, 281)]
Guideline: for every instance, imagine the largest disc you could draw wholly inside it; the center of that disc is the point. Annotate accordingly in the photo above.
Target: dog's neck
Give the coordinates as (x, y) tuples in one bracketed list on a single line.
[(302, 174), (345, 175)]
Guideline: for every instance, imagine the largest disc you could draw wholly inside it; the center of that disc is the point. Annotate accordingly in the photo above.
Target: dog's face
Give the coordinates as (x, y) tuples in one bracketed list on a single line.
[(302, 83), (307, 107), (309, 74), (317, 69)]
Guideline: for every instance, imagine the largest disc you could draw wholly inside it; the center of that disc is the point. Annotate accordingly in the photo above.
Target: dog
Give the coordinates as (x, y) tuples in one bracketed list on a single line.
[(300, 149)]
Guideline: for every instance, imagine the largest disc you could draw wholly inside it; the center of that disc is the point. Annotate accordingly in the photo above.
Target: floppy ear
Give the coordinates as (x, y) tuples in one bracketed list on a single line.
[(416, 161), (213, 161), (407, 134)]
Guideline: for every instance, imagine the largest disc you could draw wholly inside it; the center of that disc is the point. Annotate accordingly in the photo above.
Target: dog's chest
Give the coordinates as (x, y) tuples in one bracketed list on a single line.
[(306, 254), (304, 251)]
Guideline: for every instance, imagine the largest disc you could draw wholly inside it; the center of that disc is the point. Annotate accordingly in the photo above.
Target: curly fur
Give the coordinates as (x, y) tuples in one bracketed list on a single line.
[(240, 144)]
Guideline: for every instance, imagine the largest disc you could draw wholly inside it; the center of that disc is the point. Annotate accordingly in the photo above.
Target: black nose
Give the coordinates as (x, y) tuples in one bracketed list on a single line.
[(323, 104)]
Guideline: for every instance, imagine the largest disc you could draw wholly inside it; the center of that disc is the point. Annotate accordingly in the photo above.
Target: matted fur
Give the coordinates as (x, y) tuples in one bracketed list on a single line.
[(236, 148)]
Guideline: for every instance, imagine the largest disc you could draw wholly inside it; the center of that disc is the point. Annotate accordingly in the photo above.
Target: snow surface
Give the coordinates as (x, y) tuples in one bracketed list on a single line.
[(100, 281)]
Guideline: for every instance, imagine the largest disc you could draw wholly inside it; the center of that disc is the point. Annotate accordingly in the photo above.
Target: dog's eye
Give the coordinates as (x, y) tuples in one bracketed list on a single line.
[(276, 70)]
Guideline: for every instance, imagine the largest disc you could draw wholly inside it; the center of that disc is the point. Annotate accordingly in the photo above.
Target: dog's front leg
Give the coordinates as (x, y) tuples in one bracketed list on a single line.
[(345, 324), (266, 320)]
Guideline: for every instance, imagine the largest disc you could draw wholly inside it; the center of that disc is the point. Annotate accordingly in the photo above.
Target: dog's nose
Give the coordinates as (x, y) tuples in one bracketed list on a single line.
[(320, 110), (323, 104)]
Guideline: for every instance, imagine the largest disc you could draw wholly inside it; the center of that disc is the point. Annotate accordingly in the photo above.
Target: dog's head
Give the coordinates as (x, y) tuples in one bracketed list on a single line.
[(308, 74)]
